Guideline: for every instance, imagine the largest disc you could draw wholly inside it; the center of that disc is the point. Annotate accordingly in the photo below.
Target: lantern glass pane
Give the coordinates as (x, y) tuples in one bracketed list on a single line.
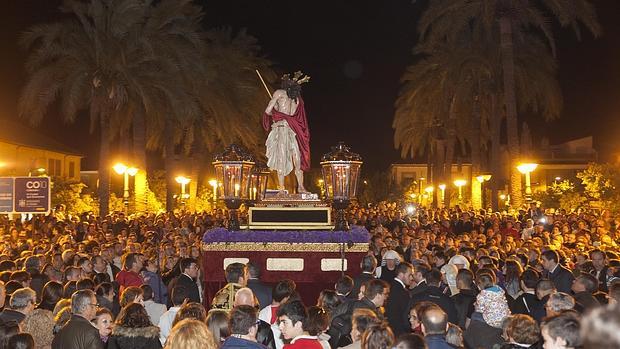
[(355, 173)]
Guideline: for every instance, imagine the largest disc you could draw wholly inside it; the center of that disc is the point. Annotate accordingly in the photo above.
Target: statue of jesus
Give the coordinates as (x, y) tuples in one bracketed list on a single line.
[(288, 143)]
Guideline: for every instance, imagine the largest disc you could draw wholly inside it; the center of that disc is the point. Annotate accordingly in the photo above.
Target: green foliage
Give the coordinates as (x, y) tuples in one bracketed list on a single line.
[(70, 194), (565, 194), (600, 181)]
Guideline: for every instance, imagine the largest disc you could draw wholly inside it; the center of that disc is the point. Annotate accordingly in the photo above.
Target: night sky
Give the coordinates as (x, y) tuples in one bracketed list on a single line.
[(355, 52)]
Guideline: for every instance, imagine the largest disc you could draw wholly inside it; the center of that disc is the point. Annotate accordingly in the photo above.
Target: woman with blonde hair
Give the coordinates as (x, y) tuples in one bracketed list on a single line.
[(190, 334)]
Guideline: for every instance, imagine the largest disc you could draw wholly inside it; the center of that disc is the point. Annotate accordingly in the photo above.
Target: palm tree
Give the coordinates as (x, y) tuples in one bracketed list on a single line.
[(455, 85), (445, 20), (232, 101), (117, 59)]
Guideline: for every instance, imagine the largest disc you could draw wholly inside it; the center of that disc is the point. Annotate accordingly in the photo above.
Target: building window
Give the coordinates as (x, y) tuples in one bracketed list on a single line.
[(71, 169), (54, 167)]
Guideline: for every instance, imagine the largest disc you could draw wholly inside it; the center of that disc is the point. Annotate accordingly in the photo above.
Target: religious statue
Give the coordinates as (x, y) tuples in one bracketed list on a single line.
[(288, 143)]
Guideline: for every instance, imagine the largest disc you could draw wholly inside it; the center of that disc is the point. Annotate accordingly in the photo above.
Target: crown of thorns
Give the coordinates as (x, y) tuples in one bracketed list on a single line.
[(298, 78)]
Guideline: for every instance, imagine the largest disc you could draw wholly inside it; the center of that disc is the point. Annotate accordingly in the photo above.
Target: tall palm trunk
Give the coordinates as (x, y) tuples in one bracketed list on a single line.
[(510, 102), (139, 158), (169, 164), (197, 161), (476, 187), (496, 121), (104, 166), (440, 156)]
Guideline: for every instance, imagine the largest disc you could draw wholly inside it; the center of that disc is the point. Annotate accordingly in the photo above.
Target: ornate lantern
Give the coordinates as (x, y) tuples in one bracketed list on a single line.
[(341, 171), (233, 168), (258, 182)]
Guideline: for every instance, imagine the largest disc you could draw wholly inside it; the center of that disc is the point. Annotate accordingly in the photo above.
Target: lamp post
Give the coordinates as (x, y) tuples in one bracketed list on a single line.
[(481, 178), (213, 183), (526, 169), (429, 191), (233, 168), (126, 171), (442, 187), (421, 179), (459, 184), (183, 181), (341, 170)]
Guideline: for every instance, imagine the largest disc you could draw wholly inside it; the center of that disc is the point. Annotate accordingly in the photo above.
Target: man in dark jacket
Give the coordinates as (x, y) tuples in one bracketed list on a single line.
[(243, 329), (187, 279), (21, 303), (434, 294), (263, 335), (79, 333), (398, 299), (562, 278), (261, 290), (464, 300), (368, 266), (434, 327), (527, 301), (584, 287)]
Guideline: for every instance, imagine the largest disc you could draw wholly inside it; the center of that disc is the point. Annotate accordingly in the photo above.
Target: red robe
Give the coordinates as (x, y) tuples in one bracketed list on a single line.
[(299, 124)]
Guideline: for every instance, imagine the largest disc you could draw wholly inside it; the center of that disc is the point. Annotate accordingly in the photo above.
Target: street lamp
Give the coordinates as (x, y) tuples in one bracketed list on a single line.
[(429, 191), (126, 171), (258, 182), (341, 170), (213, 183), (233, 168), (442, 187), (183, 181), (526, 169), (459, 184), (481, 178)]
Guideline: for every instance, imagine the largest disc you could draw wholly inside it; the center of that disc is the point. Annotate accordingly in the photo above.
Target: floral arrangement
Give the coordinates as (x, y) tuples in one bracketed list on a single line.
[(357, 234)]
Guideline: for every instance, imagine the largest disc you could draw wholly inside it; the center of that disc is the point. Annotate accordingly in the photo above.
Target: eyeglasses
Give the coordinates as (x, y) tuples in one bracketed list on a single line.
[(95, 305)]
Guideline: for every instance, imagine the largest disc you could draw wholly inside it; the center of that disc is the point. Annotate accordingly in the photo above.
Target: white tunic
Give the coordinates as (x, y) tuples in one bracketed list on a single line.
[(282, 148)]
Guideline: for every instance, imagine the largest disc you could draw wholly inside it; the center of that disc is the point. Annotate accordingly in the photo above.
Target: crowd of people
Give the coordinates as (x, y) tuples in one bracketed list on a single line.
[(432, 278)]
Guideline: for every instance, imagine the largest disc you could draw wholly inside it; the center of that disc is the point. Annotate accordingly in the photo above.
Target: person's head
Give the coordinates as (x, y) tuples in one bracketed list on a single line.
[(544, 287), (434, 321), (104, 321), (317, 322), (420, 272), (133, 316), (51, 293), (190, 333), (85, 283), (147, 292), (379, 336), (328, 300), (7, 330), (291, 318), (21, 341), (369, 264), (522, 329), (485, 279), (132, 262), (84, 303), (433, 277), (243, 321), (550, 259), (344, 285), (179, 294), (585, 283), (600, 329), (614, 293), (411, 341), (561, 331), (23, 300), (377, 291), (85, 264), (529, 279), (191, 310), (404, 272), (558, 302), (454, 335), (283, 290), (189, 266), (464, 279), (360, 321), (131, 294), (244, 296), (217, 321), (237, 273), (598, 258)]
